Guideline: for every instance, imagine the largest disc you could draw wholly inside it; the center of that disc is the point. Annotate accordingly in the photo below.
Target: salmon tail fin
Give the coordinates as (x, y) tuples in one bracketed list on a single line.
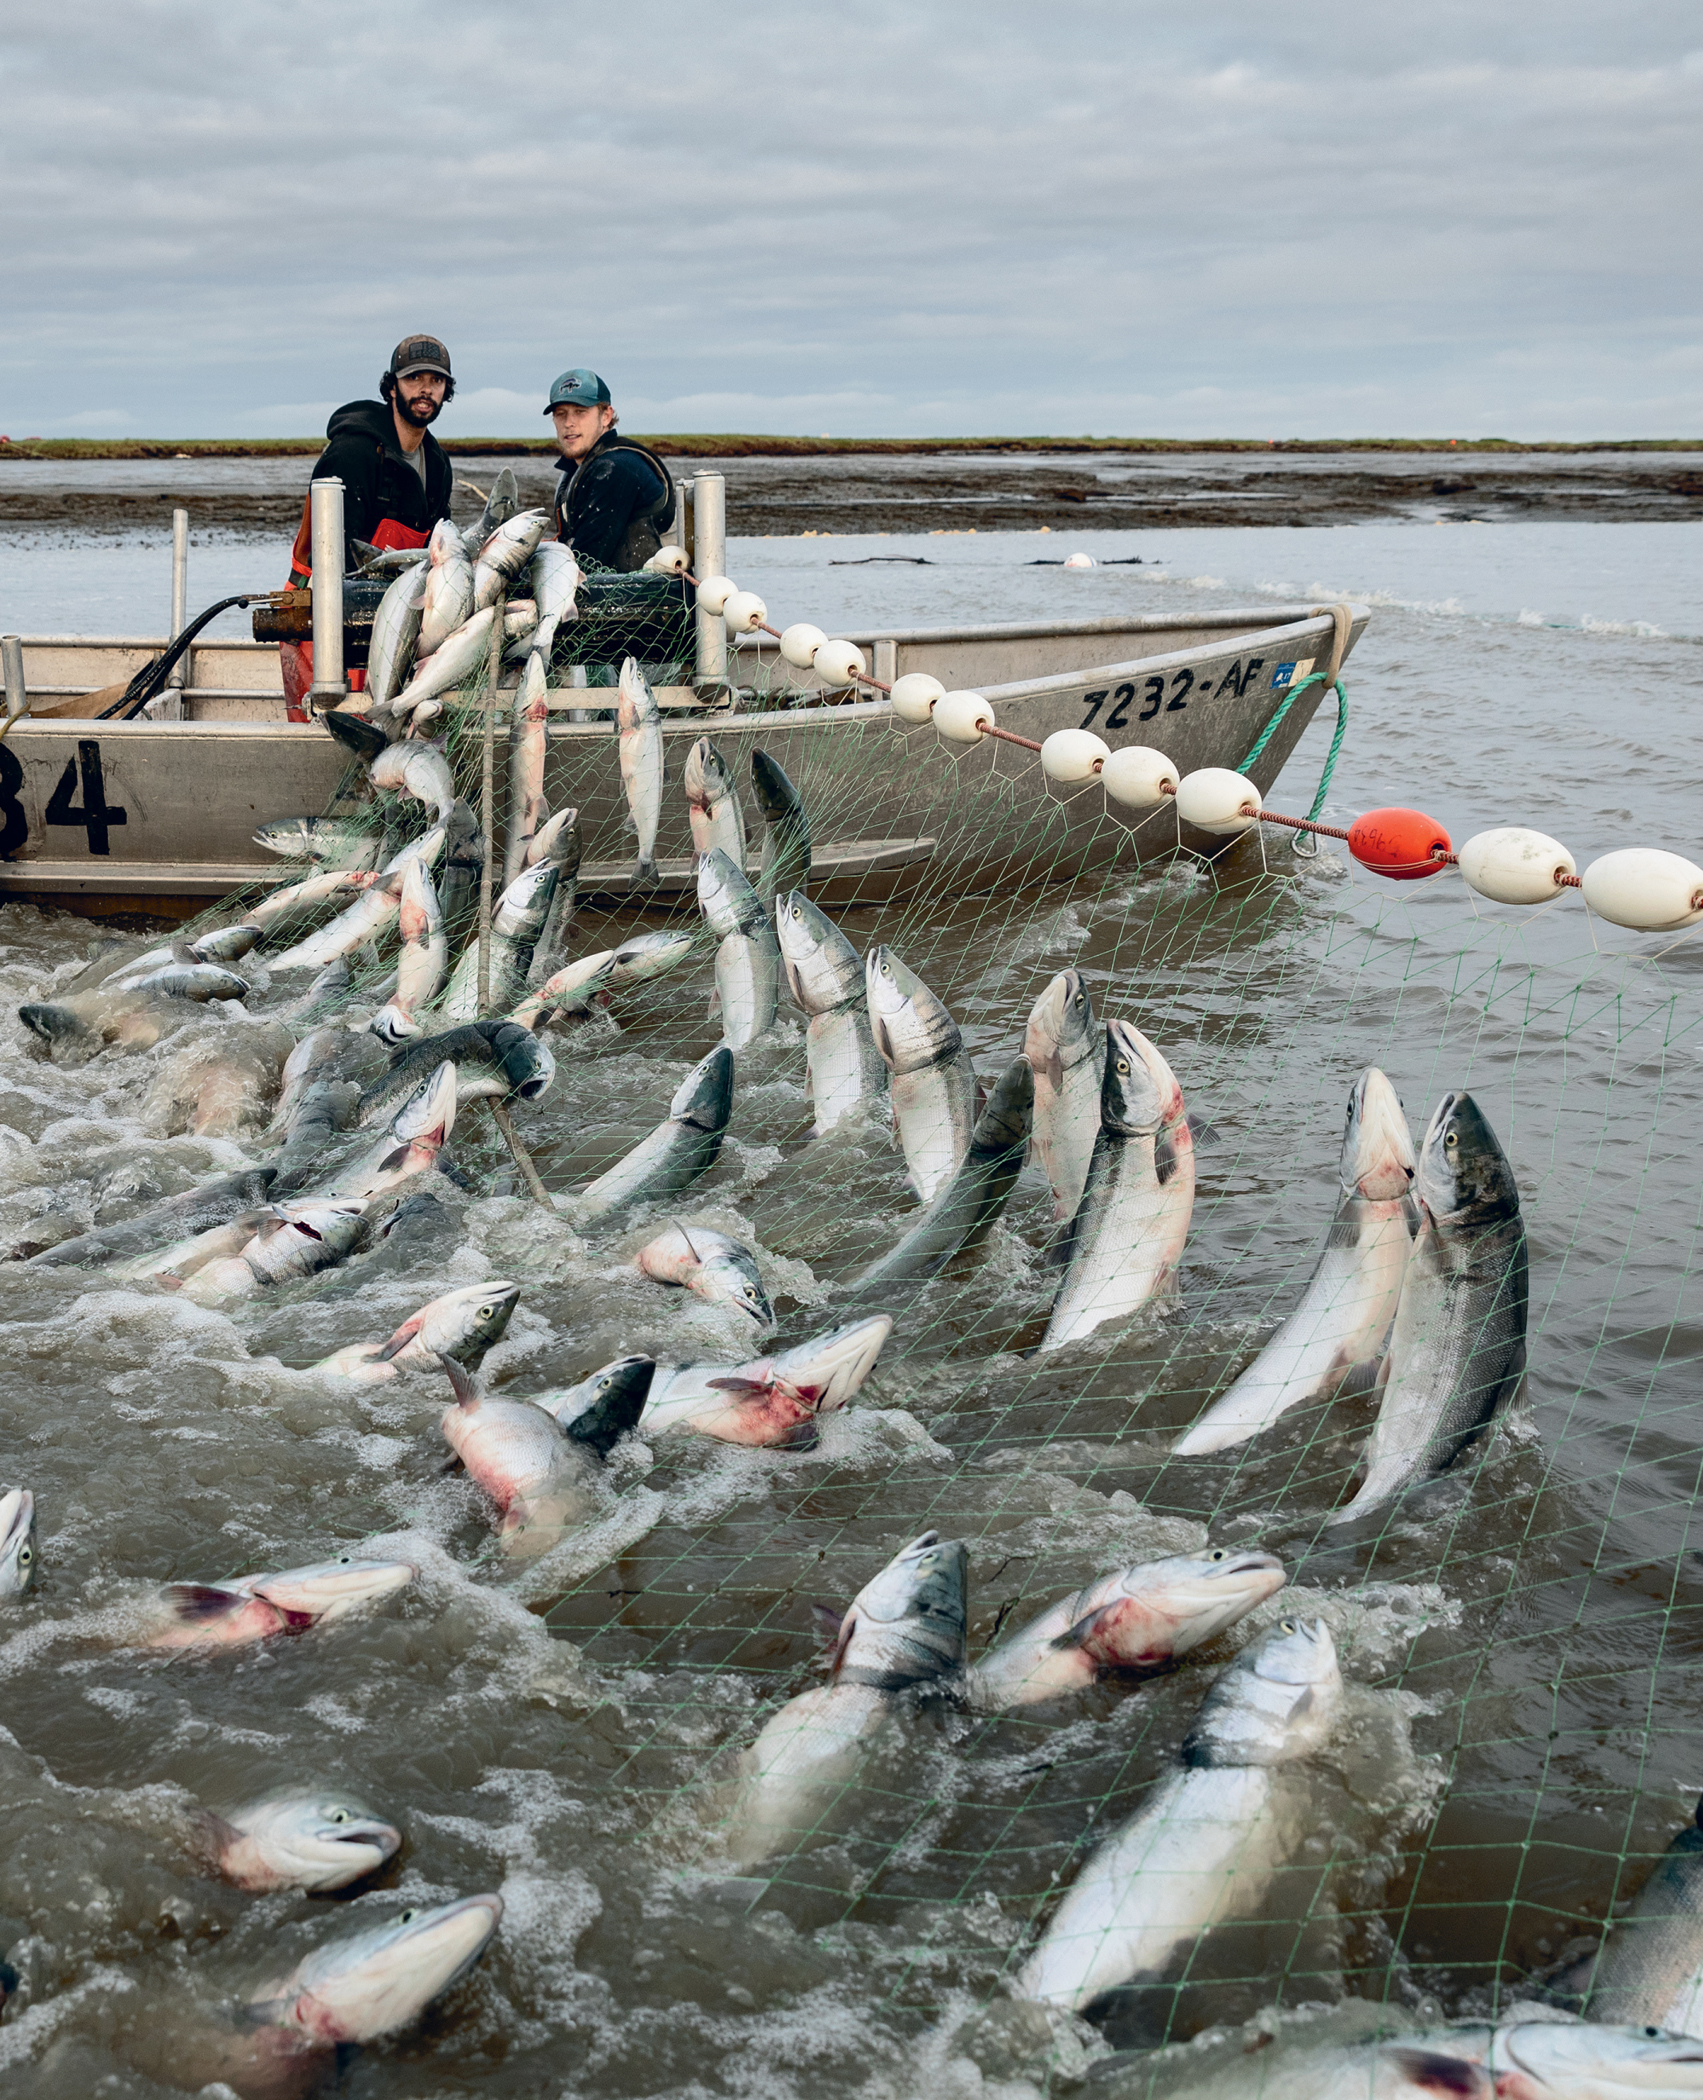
[(466, 1392)]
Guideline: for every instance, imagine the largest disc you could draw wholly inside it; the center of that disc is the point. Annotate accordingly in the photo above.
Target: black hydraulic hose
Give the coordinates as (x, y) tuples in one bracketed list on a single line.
[(151, 679)]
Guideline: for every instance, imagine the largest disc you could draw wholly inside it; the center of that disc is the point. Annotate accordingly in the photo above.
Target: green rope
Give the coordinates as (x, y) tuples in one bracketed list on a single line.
[(1271, 728)]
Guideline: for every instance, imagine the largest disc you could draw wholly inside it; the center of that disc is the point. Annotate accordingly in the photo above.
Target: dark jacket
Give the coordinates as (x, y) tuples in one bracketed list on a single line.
[(378, 479), (612, 507)]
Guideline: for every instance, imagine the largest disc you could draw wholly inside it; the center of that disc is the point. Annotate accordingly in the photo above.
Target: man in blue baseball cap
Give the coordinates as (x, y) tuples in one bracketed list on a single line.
[(615, 497)]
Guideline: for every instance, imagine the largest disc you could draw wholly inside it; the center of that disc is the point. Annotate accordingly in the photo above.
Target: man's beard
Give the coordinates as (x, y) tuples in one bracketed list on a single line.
[(425, 411)]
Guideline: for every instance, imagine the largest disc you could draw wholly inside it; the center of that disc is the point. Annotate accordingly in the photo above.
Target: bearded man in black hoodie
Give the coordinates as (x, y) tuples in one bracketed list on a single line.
[(396, 478)]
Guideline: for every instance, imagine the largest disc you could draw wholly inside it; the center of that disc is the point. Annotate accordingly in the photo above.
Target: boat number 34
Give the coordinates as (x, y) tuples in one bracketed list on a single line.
[(83, 775), (1154, 697)]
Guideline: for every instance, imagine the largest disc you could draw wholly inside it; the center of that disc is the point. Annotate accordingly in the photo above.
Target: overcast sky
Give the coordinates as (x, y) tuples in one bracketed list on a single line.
[(1246, 218)]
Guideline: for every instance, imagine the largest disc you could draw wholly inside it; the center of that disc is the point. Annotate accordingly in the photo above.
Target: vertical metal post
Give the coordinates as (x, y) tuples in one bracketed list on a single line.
[(17, 697), (167, 706), (683, 517), (179, 591), (326, 513), (886, 664), (709, 530), (488, 802)]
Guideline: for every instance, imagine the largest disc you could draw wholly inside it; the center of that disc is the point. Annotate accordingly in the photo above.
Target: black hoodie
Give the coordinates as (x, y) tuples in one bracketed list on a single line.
[(378, 478)]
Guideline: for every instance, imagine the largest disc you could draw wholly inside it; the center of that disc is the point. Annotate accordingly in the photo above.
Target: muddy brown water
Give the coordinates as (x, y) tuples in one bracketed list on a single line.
[(1524, 1638)]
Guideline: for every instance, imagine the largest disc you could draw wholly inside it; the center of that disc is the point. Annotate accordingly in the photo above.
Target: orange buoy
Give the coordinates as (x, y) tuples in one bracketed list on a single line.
[(1403, 844)]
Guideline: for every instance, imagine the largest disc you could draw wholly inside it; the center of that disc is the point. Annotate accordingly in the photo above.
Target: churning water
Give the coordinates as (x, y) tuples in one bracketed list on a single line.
[(1527, 1634)]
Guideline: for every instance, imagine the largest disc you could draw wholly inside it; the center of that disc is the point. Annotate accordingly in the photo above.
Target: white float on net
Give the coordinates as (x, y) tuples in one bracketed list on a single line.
[(914, 695), (744, 613), (1073, 755), (1139, 777), (669, 561), (1644, 888), (1514, 865), (800, 643), (962, 717), (714, 592), (839, 662), (1215, 799)]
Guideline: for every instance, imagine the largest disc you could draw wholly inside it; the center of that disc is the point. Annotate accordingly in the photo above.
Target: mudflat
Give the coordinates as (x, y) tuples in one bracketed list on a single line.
[(942, 491)]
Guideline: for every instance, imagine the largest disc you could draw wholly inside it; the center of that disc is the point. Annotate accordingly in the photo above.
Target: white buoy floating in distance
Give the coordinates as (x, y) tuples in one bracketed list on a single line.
[(1079, 560)]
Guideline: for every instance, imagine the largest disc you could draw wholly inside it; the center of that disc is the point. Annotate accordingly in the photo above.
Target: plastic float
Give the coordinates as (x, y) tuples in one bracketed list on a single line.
[(1642, 888)]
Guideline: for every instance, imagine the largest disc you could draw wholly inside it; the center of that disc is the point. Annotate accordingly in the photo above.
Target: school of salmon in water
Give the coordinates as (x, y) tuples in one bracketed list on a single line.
[(1419, 1296)]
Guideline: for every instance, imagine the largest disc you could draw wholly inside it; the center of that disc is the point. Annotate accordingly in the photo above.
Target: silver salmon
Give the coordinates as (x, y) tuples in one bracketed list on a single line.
[(785, 863), (1335, 1337), (775, 1401), (317, 1839), (516, 924), (1068, 1053), (446, 589), (17, 1543), (528, 732), (964, 1212), (640, 725), (1458, 1347), (1546, 2059), (824, 974), (1210, 1838), (424, 961), (933, 1083), (505, 553), (459, 660), (463, 1324), (1134, 1619), (395, 636), (539, 1470), (1126, 1239), (905, 1631), (748, 958), (712, 804), (713, 1267), (686, 1144)]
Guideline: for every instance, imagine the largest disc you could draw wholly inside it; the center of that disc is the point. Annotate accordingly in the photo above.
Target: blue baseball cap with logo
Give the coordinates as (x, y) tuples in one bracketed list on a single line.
[(578, 388)]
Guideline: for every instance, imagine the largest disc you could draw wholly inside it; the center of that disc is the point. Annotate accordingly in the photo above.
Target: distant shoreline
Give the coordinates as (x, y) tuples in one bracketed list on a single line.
[(745, 446), (927, 487)]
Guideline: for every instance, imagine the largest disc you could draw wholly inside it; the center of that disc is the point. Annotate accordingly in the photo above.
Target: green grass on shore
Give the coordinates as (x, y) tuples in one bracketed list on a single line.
[(741, 445)]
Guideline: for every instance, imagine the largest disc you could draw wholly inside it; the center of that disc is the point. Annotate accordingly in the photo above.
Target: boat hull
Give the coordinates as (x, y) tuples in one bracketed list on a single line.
[(159, 817)]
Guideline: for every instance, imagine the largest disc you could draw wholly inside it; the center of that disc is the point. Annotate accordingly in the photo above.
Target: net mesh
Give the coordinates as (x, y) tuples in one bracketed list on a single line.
[(1508, 1769)]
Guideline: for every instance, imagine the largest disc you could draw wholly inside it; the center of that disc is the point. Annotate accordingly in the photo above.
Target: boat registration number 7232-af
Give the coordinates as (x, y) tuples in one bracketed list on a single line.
[(1166, 693)]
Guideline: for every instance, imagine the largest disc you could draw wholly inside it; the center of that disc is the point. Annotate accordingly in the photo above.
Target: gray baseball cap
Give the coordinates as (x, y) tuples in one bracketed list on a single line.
[(578, 388), (419, 353)]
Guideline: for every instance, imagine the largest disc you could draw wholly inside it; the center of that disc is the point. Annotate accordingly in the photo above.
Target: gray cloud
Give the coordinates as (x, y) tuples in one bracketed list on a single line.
[(1110, 217)]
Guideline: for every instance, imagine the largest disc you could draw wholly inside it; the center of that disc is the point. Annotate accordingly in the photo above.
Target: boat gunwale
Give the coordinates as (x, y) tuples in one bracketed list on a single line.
[(1229, 620), (808, 717), (999, 630)]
